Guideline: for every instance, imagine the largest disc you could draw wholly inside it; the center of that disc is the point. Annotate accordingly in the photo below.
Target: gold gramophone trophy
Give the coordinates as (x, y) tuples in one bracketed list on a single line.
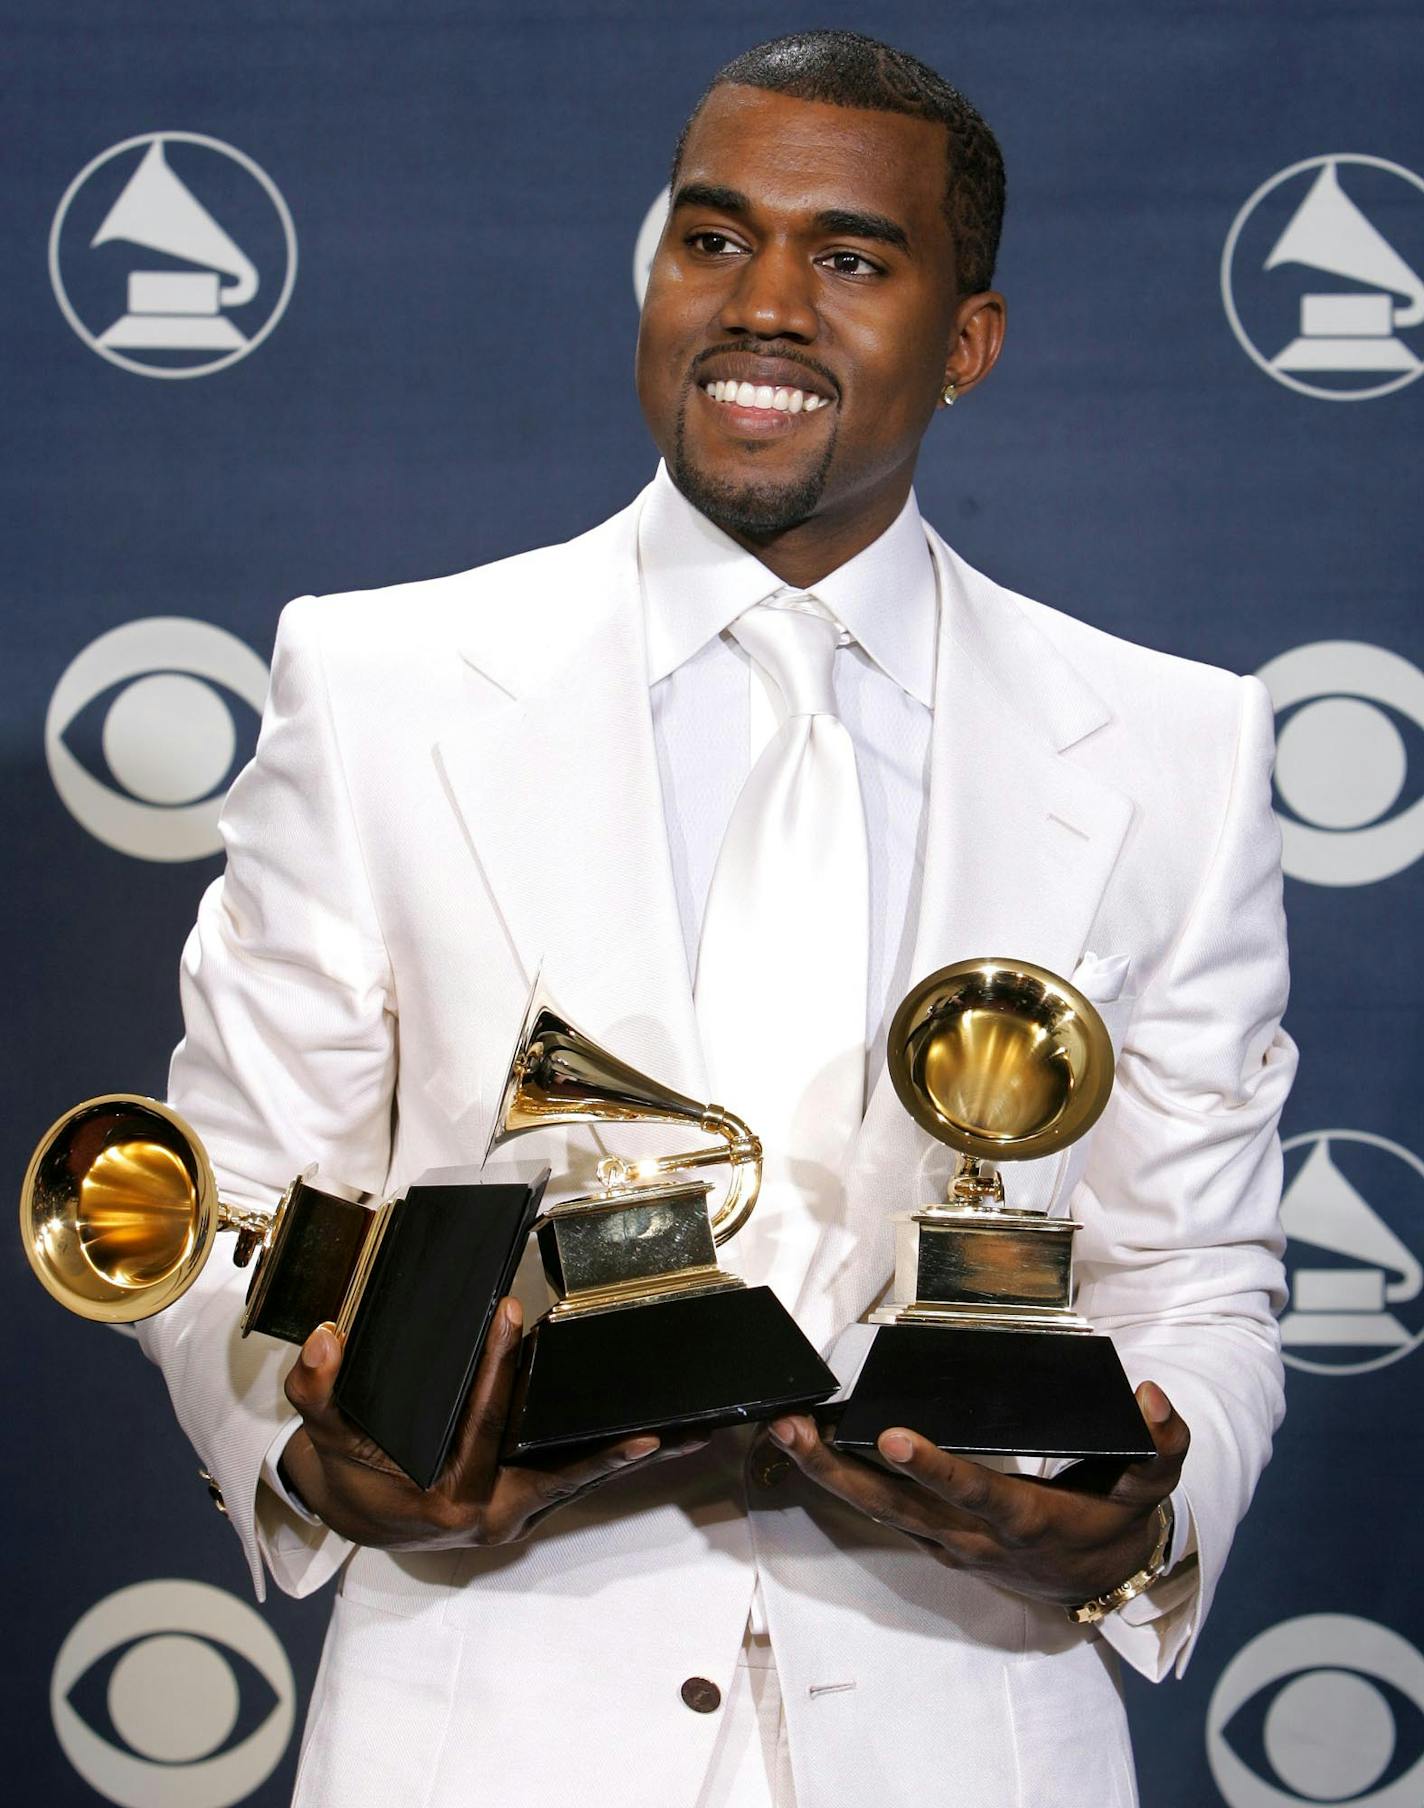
[(119, 1212), (982, 1350), (647, 1331)]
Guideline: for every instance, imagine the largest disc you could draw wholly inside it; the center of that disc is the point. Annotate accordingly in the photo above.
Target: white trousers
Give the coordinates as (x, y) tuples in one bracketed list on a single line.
[(751, 1761)]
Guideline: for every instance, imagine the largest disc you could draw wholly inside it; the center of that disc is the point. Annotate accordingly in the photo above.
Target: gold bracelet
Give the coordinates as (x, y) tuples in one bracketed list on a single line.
[(1090, 1612)]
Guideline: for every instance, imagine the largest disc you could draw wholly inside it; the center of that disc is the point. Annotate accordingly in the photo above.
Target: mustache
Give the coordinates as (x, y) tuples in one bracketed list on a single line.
[(767, 348)]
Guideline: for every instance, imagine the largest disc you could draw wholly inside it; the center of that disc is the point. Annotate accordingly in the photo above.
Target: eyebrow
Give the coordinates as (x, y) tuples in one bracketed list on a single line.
[(877, 227), (707, 194), (874, 226)]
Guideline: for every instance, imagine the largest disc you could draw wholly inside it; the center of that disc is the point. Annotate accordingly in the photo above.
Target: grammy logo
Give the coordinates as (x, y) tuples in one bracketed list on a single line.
[(189, 285), (1353, 330), (1320, 276)]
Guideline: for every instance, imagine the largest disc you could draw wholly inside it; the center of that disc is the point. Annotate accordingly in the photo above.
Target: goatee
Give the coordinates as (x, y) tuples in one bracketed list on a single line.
[(748, 509)]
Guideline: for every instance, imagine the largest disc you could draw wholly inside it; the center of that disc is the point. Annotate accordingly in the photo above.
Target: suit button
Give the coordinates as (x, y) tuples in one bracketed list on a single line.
[(701, 1696)]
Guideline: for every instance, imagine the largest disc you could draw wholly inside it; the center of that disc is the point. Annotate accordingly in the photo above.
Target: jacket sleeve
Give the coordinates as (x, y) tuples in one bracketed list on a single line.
[(288, 1058), (1180, 1254)]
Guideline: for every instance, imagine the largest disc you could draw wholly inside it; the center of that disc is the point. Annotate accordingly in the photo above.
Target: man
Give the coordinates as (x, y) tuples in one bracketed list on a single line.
[(545, 762)]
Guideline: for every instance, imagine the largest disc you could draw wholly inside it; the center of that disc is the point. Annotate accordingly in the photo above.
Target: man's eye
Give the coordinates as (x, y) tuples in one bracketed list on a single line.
[(850, 263), (713, 244)]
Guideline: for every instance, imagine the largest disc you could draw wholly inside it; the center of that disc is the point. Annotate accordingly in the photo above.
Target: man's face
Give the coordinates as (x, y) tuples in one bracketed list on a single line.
[(800, 311)]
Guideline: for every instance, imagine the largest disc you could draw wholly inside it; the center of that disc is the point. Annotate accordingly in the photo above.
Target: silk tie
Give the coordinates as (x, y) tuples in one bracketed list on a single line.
[(782, 960)]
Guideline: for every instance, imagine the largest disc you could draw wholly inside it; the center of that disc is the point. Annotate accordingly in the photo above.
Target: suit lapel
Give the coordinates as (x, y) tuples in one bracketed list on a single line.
[(1019, 845), (555, 775)]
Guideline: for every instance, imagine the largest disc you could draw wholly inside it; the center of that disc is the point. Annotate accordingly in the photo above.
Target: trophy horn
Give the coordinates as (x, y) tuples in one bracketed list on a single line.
[(119, 1209), (1000, 1059), (560, 1075)]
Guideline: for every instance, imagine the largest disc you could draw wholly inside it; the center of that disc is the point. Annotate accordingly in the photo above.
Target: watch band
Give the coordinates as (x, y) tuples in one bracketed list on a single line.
[(1088, 1613)]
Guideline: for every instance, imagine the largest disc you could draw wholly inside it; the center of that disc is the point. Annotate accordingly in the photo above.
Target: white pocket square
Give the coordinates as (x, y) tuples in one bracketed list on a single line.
[(1101, 977)]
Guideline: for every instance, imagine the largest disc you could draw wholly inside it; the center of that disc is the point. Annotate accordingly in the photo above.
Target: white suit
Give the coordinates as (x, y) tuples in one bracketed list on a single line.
[(456, 784)]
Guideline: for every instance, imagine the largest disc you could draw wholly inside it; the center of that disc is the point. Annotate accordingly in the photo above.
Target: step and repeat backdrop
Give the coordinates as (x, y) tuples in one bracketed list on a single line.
[(316, 296)]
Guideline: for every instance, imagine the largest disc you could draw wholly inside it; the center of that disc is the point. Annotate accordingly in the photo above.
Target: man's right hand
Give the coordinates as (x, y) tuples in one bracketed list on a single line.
[(350, 1484)]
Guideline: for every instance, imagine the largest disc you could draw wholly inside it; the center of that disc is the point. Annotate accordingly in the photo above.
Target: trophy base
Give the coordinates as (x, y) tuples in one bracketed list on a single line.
[(703, 1361), (1001, 1393), (448, 1254)]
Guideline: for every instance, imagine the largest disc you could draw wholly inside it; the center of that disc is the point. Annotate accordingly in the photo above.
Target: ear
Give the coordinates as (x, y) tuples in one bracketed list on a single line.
[(978, 338)]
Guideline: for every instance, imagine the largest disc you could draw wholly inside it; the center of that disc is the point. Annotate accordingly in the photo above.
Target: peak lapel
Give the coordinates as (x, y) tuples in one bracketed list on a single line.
[(555, 776), (1019, 845), (1020, 839)]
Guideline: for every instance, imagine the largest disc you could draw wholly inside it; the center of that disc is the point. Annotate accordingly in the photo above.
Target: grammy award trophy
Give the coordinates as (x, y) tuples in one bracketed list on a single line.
[(119, 1212), (981, 1350), (647, 1331)]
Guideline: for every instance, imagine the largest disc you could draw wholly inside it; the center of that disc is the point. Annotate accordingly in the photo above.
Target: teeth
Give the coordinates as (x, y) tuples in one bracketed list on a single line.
[(762, 395)]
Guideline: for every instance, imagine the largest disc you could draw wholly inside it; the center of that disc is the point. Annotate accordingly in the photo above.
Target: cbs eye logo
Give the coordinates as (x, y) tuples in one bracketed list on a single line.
[(148, 707), (1348, 716), (1325, 1708), (173, 1691)]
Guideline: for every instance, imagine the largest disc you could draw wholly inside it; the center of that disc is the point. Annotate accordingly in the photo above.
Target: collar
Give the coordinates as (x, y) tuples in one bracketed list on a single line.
[(696, 581)]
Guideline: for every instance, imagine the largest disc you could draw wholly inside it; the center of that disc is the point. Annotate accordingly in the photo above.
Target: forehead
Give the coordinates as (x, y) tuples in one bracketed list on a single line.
[(805, 156)]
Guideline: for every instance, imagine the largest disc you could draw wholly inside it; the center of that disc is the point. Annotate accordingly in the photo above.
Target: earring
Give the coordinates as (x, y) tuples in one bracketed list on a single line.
[(951, 390)]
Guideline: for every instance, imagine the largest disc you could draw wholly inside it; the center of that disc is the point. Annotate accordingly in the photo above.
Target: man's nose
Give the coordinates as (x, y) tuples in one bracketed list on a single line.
[(773, 297)]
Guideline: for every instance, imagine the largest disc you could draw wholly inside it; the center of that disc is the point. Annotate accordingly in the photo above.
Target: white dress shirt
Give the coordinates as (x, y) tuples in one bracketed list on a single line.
[(713, 711)]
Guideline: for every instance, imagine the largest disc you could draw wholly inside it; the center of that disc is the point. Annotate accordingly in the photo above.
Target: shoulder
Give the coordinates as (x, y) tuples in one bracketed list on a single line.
[(1150, 695), (413, 621)]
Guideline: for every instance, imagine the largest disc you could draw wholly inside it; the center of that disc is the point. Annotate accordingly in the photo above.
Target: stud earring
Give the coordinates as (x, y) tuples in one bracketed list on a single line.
[(951, 390)]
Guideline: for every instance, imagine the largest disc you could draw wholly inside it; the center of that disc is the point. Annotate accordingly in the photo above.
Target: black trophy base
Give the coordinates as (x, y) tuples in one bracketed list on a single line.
[(714, 1359), (448, 1255), (1022, 1393)]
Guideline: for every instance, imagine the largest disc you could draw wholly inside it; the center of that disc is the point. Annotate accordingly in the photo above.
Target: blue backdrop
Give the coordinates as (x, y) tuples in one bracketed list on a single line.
[(315, 296)]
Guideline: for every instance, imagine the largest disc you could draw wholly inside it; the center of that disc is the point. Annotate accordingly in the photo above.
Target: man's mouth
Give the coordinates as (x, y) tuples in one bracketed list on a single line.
[(766, 397)]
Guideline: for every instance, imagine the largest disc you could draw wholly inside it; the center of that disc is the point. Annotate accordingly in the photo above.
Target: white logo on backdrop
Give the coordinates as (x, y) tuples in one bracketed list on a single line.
[(646, 247), (1341, 762), (1349, 334), (168, 737), (1339, 1311), (173, 1697), (166, 311), (1329, 1734)]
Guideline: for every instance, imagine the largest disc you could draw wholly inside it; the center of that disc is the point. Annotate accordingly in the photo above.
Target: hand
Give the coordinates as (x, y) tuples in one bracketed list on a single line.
[(350, 1484), (1056, 1540)]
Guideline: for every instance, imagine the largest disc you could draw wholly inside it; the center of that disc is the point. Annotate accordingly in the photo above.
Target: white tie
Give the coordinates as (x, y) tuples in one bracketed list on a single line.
[(782, 961)]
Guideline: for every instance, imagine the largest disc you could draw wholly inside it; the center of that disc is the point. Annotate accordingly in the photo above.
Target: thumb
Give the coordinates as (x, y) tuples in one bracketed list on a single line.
[(313, 1375), (1168, 1430)]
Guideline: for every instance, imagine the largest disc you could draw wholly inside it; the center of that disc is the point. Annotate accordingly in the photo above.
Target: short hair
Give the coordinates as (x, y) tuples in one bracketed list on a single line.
[(849, 69)]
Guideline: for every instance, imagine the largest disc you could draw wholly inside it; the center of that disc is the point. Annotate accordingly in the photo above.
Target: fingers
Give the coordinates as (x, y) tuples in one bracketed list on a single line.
[(524, 1496), (474, 1459), (1002, 1502), (887, 1499)]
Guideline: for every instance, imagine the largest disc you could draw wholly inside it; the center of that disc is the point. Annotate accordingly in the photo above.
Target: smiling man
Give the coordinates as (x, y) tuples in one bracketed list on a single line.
[(737, 768)]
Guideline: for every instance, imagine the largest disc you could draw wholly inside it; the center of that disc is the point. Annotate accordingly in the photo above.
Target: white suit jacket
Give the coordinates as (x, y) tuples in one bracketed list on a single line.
[(455, 784)]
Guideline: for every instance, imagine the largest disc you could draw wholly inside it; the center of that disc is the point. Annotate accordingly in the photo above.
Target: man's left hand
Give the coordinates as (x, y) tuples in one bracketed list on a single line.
[(1055, 1540)]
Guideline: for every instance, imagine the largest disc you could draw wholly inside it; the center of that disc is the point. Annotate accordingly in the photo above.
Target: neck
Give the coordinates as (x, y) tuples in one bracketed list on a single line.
[(804, 554)]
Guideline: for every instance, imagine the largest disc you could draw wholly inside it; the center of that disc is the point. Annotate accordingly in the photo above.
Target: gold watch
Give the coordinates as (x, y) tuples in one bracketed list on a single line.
[(1090, 1612)]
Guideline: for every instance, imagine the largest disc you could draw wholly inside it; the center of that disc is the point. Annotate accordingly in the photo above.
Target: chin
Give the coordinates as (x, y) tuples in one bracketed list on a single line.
[(754, 507)]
